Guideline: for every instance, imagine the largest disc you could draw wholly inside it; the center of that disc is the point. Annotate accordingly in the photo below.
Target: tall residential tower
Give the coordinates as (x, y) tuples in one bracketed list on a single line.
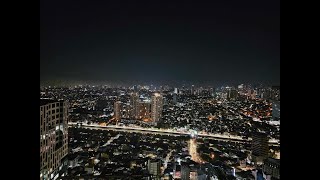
[(117, 111), (134, 109), (156, 107), (53, 138), (260, 147)]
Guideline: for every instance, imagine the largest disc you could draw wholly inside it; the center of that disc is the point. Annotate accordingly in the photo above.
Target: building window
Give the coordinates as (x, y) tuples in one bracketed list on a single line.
[(53, 105)]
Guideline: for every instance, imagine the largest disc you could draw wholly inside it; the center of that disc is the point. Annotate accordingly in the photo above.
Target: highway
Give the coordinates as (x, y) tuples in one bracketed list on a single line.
[(171, 132)]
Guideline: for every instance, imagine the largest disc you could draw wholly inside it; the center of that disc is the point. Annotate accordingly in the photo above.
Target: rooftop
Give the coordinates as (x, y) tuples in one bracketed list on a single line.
[(274, 161), (48, 101)]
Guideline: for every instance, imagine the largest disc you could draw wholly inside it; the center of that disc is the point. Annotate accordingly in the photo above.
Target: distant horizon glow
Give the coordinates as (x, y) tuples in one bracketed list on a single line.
[(217, 42)]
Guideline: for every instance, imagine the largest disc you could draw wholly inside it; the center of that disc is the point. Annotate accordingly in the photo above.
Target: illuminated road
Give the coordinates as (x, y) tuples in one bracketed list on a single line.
[(111, 140), (193, 151), (166, 161), (169, 132)]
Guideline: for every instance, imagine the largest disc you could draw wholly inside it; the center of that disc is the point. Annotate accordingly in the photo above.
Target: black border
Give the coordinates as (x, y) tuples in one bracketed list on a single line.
[(20, 90)]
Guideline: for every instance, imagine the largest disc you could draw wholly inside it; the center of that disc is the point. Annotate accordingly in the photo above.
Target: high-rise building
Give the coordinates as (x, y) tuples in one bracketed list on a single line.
[(53, 138), (232, 94), (272, 93), (156, 107), (185, 172), (154, 167), (117, 111), (175, 91), (212, 91), (192, 90), (267, 94), (174, 98), (276, 110), (260, 147), (255, 93), (134, 110), (200, 91), (135, 88), (275, 93), (272, 167), (144, 110), (261, 93), (240, 86), (258, 174), (252, 94)]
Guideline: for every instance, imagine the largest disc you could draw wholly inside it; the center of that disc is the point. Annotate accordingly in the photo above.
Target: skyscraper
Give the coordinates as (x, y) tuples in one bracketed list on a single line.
[(175, 91), (135, 88), (134, 110), (232, 94), (53, 138), (272, 167), (192, 90), (240, 86), (212, 92), (275, 93), (174, 98), (260, 147), (154, 168), (156, 107), (276, 110), (185, 172), (117, 111)]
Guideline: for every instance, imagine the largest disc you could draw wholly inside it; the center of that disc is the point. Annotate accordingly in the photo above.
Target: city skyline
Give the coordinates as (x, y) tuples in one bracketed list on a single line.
[(150, 133), (158, 91), (215, 42), (180, 84)]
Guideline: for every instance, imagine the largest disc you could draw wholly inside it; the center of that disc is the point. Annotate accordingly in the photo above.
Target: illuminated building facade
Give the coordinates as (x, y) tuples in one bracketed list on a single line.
[(232, 94), (185, 172), (272, 167), (53, 138), (117, 111), (154, 168), (174, 98), (156, 107), (134, 101), (276, 110), (192, 90), (275, 93), (260, 147), (144, 110), (175, 91)]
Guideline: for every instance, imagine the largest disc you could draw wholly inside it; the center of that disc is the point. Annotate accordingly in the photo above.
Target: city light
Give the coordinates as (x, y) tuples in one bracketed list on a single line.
[(193, 133)]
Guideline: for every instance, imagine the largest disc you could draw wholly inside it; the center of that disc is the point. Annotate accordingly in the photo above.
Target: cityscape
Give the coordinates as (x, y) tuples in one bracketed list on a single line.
[(148, 132), (159, 91)]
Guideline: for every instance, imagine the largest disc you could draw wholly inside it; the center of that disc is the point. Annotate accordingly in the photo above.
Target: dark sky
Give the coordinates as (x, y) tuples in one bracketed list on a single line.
[(227, 41)]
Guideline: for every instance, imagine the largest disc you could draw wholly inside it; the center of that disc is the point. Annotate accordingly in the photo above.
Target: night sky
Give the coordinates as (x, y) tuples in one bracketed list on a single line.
[(221, 42)]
